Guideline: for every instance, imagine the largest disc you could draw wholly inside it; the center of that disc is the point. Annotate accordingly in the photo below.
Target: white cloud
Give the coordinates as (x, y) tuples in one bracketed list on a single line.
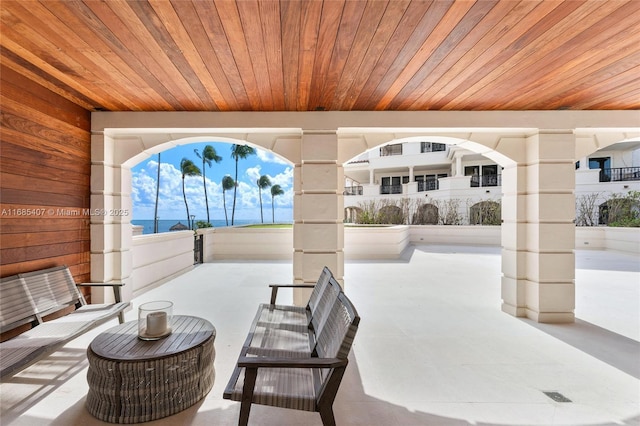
[(254, 173), (284, 179), (269, 157), (171, 201)]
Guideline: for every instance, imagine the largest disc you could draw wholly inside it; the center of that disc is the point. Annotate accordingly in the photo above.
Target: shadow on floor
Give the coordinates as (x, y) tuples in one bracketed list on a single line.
[(614, 349), (352, 406), (32, 385)]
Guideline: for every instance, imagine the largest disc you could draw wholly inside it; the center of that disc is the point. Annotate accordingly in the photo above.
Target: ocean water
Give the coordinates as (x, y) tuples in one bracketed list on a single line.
[(165, 224)]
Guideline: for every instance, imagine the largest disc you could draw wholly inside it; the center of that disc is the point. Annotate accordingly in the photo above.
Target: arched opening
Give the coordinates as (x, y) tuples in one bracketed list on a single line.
[(620, 210), (427, 214), (485, 213), (351, 214), (391, 215), (607, 181), (261, 186)]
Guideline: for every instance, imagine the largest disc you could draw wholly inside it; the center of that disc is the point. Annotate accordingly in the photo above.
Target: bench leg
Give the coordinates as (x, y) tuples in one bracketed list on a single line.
[(326, 414), (250, 375)]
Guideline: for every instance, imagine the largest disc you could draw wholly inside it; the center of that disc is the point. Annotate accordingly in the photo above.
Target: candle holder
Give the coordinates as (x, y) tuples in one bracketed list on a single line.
[(154, 320)]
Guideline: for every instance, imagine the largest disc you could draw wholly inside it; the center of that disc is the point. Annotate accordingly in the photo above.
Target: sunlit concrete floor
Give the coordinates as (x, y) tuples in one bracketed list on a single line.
[(433, 347)]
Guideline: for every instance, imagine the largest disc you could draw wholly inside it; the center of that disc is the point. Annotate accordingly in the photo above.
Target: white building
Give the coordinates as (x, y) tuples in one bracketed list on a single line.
[(431, 177)]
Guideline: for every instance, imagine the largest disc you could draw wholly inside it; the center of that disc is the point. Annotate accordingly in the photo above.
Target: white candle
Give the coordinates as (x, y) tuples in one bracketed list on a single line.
[(156, 323)]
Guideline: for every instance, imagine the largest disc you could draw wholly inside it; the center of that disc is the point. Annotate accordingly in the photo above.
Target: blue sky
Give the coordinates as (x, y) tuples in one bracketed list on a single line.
[(171, 203)]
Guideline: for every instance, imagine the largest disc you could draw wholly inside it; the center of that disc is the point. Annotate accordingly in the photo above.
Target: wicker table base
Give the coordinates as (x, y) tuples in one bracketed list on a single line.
[(132, 381)]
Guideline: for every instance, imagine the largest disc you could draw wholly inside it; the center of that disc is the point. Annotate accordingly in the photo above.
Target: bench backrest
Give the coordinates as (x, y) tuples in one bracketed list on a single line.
[(53, 289), (334, 341), (319, 288), (325, 303), (335, 338), (16, 305)]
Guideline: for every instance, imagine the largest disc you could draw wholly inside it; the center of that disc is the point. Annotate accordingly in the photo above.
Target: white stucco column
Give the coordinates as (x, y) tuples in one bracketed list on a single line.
[(514, 239), (318, 229), (458, 157), (539, 230), (111, 236)]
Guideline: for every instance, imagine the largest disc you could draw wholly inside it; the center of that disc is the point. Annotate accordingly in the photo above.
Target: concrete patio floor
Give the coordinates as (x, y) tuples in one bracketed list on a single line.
[(433, 347)]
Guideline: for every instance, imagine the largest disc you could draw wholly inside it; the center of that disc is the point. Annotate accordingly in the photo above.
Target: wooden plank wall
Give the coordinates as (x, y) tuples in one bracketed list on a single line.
[(45, 170)]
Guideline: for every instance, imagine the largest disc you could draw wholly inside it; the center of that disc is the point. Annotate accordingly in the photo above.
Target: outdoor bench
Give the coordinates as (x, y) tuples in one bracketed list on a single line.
[(296, 364), (25, 299), (289, 330)]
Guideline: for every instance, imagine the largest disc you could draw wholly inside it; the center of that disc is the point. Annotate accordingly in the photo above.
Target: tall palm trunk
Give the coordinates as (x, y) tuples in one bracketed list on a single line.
[(235, 188), (204, 183), (184, 195), (155, 214), (260, 196), (224, 204)]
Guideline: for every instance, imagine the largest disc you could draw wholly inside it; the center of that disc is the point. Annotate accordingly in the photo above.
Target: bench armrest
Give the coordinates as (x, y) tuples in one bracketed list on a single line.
[(275, 287), (116, 288), (267, 362)]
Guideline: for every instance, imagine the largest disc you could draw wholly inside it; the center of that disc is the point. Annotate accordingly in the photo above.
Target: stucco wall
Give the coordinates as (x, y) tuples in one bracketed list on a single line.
[(159, 257), (375, 242), (248, 243), (608, 238), (388, 242)]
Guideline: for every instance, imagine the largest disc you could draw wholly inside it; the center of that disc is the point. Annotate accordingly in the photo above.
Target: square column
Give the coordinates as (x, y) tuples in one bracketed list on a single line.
[(550, 285), (539, 230), (110, 221), (318, 210), (514, 235)]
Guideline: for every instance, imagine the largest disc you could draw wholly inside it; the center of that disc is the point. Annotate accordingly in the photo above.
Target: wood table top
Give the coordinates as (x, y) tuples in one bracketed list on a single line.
[(121, 342)]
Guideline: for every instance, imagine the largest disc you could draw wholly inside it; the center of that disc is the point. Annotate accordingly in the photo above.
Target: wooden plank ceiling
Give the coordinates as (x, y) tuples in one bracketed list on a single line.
[(300, 55)]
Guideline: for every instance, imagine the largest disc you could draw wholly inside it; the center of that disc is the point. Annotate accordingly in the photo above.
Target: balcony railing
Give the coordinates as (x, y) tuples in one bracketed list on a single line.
[(486, 180), (620, 174), (428, 185), (390, 189), (352, 190)]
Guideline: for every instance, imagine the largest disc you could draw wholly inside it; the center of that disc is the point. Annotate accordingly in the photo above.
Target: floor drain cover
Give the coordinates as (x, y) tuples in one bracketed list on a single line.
[(557, 396)]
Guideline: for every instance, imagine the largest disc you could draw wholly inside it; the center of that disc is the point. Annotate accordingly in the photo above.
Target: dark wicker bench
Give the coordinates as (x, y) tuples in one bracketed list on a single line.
[(298, 363), (28, 298)]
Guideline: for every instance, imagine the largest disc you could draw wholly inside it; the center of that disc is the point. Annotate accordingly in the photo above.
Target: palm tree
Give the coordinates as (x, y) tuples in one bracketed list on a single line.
[(209, 154), (275, 190), (155, 214), (188, 168), (227, 183), (238, 152), (263, 183)]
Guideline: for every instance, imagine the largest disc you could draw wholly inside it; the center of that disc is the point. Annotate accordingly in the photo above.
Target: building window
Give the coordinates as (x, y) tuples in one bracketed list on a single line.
[(394, 149), (429, 182), (488, 177), (604, 164), (391, 185), (432, 147)]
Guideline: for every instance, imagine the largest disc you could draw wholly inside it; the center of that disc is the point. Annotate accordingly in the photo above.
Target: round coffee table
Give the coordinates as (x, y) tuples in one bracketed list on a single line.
[(133, 380)]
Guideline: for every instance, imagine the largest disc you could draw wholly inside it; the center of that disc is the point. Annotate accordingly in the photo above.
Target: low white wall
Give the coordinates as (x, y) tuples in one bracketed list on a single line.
[(623, 239), (388, 242), (159, 257), (608, 238), (248, 243), (455, 234), (375, 242)]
